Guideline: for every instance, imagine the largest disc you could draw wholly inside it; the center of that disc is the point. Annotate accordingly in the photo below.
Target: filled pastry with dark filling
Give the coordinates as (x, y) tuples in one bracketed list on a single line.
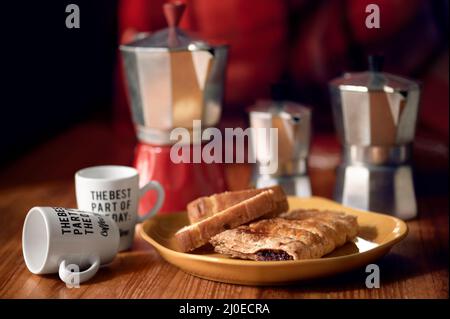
[(300, 234)]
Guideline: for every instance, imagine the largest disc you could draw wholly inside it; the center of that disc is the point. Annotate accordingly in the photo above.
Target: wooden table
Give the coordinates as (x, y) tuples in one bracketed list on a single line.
[(416, 268)]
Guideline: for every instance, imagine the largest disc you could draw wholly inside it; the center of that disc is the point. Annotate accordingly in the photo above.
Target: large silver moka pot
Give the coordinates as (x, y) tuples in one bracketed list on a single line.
[(375, 116), (293, 124), (173, 79)]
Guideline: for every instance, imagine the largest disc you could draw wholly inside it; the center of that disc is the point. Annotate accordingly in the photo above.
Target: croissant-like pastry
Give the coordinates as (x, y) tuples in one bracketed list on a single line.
[(300, 234)]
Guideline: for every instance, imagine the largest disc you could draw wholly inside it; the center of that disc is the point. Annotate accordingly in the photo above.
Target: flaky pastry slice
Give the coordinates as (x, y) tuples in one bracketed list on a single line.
[(300, 234)]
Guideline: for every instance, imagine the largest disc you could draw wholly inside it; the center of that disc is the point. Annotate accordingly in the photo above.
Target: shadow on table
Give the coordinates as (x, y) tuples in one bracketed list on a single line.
[(393, 268), (126, 263), (131, 262)]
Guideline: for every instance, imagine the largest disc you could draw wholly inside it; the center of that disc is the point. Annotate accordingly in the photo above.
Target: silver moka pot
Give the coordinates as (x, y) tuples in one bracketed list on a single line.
[(173, 78), (375, 115), (293, 123)]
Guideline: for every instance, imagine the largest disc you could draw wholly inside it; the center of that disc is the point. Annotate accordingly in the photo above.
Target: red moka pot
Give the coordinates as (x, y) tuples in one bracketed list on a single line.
[(174, 79), (182, 182)]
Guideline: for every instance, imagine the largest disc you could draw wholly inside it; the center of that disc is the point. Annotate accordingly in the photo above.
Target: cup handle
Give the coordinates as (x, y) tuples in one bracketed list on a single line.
[(152, 185), (67, 275)]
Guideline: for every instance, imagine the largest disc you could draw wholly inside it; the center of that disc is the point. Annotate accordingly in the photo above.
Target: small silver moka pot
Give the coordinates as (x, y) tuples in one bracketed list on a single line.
[(293, 122), (375, 116), (173, 79)]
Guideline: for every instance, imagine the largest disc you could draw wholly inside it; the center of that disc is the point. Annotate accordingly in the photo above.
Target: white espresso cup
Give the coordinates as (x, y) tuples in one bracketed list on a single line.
[(114, 191), (66, 241)]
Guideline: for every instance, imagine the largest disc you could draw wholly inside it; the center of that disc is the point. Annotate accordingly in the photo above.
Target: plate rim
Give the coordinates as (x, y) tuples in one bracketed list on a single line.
[(403, 232)]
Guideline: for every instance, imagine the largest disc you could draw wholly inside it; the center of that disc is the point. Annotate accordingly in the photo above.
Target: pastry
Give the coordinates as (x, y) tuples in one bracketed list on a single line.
[(205, 207), (196, 235), (300, 234)]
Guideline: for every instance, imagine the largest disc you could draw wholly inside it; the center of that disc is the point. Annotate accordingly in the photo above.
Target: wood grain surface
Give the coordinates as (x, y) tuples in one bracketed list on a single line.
[(416, 268)]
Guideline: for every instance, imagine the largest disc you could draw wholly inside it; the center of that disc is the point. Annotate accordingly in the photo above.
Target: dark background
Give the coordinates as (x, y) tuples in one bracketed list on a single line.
[(52, 76)]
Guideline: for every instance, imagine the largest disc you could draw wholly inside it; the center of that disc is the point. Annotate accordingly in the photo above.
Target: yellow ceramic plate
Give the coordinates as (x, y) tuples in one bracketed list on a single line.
[(378, 233)]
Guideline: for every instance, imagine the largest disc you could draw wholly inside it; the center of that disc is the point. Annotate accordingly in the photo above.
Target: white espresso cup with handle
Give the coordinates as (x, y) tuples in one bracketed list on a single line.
[(114, 191), (69, 242)]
